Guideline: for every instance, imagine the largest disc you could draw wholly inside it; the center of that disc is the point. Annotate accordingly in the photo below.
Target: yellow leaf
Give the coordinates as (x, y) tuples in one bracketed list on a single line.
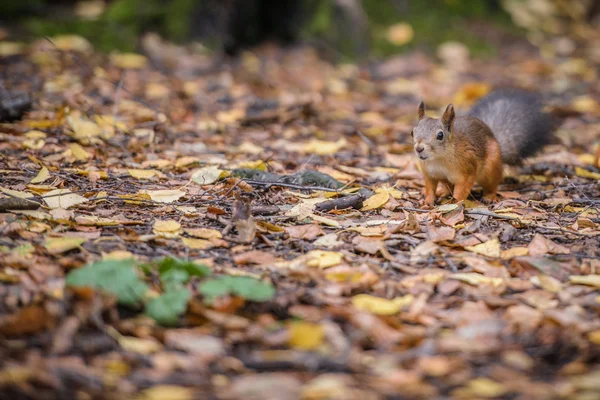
[(586, 104), (584, 173), (547, 282), (183, 162), (118, 255), (589, 280), (33, 214), (108, 121), (207, 175), (323, 259), (142, 173), (16, 193), (491, 248), (484, 387), (129, 60), (8, 49), (378, 200), (513, 252), (92, 220), (43, 175), (325, 220), (258, 164), (344, 276), (470, 92), (400, 34), (381, 306), (594, 336), (164, 196), (197, 244), (306, 336), (62, 244), (79, 152), (63, 198), (473, 278), (231, 117), (83, 130), (168, 229), (204, 233), (171, 392), (72, 43), (323, 148)]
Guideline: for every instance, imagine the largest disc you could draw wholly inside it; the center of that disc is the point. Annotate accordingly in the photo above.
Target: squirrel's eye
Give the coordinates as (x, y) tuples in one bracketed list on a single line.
[(440, 135), (412, 133)]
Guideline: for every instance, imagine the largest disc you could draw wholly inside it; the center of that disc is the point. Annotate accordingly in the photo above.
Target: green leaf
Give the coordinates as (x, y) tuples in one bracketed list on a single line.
[(167, 308), (119, 277), (243, 286), (252, 289), (193, 269), (174, 279)]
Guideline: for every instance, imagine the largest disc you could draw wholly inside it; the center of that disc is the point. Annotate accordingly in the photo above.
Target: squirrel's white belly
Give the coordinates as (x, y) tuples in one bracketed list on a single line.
[(438, 170)]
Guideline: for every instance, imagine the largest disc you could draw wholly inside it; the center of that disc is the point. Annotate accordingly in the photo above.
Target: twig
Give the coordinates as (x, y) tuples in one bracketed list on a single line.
[(289, 185), (353, 201)]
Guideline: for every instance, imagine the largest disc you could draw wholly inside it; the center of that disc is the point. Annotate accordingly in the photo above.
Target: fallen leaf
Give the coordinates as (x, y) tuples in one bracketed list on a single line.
[(203, 233), (143, 173), (306, 232), (376, 201), (63, 198), (63, 244), (207, 175), (129, 60), (440, 234), (164, 196), (79, 152), (475, 279), (491, 248), (381, 306), (169, 229), (324, 148), (171, 392), (16, 193), (540, 245), (306, 336), (584, 173), (197, 244), (589, 280), (254, 257), (42, 176)]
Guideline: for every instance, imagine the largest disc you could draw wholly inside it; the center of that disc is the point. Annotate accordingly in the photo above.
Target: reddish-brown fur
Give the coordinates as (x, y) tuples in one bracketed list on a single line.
[(467, 154)]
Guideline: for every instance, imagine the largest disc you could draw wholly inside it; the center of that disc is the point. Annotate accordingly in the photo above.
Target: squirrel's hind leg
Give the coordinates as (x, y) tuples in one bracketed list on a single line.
[(491, 174)]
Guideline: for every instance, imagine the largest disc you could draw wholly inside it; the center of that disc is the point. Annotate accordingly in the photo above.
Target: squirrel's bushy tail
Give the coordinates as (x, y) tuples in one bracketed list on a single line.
[(518, 122)]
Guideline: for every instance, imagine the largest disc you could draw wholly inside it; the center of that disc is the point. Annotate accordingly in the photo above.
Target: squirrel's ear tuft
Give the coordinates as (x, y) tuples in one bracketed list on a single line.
[(448, 116), (421, 110)]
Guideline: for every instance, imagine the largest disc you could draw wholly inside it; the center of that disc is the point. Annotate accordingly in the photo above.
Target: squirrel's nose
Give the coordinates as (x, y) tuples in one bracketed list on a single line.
[(419, 148)]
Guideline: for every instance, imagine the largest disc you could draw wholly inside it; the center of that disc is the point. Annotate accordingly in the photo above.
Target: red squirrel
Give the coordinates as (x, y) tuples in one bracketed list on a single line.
[(506, 126)]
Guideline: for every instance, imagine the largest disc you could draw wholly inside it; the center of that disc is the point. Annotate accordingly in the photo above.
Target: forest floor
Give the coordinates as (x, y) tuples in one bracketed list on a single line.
[(164, 176)]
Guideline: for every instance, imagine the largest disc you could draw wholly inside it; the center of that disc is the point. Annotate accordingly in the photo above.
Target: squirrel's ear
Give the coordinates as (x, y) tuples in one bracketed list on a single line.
[(448, 116), (421, 110)]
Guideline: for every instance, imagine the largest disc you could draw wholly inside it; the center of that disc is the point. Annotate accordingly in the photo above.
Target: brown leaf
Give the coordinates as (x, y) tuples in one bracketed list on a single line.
[(255, 257), (306, 232), (26, 321), (540, 245), (440, 234)]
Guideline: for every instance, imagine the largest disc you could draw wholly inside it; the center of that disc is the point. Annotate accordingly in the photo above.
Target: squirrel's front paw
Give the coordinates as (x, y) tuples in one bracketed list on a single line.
[(430, 200), (489, 198)]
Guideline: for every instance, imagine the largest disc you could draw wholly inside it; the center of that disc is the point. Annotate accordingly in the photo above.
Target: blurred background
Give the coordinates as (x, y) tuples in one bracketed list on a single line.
[(343, 30)]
